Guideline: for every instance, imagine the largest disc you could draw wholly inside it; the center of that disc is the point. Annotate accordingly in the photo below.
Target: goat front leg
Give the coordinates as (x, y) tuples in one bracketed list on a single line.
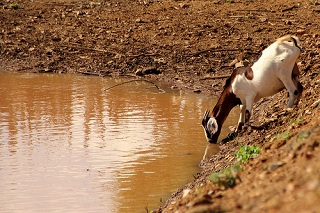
[(247, 111), (241, 118), (241, 121)]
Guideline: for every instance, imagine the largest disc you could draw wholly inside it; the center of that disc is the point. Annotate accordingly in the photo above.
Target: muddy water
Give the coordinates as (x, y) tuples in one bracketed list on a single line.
[(66, 145)]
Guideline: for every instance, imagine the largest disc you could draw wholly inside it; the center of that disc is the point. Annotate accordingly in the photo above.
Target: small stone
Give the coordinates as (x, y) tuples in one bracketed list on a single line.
[(274, 166), (183, 5), (288, 22), (290, 187), (263, 20), (151, 70), (186, 192), (301, 32), (139, 20), (139, 72)]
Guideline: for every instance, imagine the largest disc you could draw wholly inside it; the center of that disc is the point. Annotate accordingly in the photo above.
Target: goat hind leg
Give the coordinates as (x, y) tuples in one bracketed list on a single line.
[(300, 90), (290, 86)]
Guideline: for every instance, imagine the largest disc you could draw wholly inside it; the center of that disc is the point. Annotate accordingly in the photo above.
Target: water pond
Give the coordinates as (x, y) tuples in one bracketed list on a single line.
[(66, 145)]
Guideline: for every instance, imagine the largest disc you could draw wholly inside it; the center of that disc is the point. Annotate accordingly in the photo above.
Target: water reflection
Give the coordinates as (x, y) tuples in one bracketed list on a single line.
[(67, 145), (211, 149)]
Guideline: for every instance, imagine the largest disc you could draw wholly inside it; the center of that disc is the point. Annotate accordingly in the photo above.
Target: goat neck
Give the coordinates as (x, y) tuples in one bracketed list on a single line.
[(212, 122)]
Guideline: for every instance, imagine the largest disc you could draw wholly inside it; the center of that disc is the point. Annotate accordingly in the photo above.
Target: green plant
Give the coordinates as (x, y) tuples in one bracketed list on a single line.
[(284, 135), (226, 178), (315, 2), (14, 6), (296, 121), (303, 136), (246, 152)]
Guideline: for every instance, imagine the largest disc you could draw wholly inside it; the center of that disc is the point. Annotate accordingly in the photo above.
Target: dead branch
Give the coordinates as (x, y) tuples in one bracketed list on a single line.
[(94, 73), (55, 3), (135, 80), (289, 8), (217, 50), (88, 73), (142, 54), (215, 77), (89, 49), (252, 10)]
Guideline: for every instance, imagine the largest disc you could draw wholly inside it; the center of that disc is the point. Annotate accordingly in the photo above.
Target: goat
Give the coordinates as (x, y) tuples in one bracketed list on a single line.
[(275, 70)]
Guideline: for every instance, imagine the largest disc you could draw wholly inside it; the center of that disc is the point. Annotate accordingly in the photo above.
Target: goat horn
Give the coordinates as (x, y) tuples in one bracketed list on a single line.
[(205, 118)]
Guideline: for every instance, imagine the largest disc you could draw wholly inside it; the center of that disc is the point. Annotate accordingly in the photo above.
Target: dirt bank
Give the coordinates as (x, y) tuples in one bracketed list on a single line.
[(189, 44)]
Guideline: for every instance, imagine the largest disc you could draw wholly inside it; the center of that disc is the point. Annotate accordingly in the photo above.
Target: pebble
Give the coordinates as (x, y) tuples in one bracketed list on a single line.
[(186, 192), (183, 5), (147, 71), (139, 20), (301, 32)]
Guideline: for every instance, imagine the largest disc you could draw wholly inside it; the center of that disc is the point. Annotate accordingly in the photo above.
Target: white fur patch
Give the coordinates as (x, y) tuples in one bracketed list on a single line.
[(212, 125)]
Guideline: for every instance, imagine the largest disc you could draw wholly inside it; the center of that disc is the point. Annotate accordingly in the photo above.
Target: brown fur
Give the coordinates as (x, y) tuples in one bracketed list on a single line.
[(247, 71)]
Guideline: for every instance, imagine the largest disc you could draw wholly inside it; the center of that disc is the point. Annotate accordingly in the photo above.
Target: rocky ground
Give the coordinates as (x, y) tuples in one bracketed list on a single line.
[(191, 45)]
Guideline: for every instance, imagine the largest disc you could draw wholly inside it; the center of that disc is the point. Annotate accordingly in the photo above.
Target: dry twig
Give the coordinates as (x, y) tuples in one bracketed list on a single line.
[(135, 80), (218, 50), (215, 77)]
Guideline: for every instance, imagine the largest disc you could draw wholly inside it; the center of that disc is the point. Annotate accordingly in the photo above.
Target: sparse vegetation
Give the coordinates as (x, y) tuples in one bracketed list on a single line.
[(247, 152), (284, 135), (303, 136), (296, 121), (226, 178), (14, 6), (314, 2)]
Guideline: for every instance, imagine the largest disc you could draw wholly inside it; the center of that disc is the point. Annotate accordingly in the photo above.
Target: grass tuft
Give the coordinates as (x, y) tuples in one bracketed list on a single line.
[(226, 178), (14, 6), (247, 152)]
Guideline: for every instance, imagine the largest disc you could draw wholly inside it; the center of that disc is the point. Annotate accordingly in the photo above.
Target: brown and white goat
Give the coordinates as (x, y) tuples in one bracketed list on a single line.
[(275, 70)]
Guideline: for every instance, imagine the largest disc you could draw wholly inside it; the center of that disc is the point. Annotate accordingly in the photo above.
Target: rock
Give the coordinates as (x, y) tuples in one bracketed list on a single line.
[(160, 60), (147, 71), (201, 208), (56, 39), (139, 72), (151, 70), (186, 192), (301, 31), (276, 165), (183, 5), (139, 20)]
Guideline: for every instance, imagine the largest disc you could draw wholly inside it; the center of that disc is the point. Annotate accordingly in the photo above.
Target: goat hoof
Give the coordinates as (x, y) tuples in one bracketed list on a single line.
[(232, 128), (245, 127), (230, 137)]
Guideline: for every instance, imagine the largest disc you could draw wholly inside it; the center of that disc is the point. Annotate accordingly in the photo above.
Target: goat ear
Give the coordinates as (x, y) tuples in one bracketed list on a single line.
[(212, 125)]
